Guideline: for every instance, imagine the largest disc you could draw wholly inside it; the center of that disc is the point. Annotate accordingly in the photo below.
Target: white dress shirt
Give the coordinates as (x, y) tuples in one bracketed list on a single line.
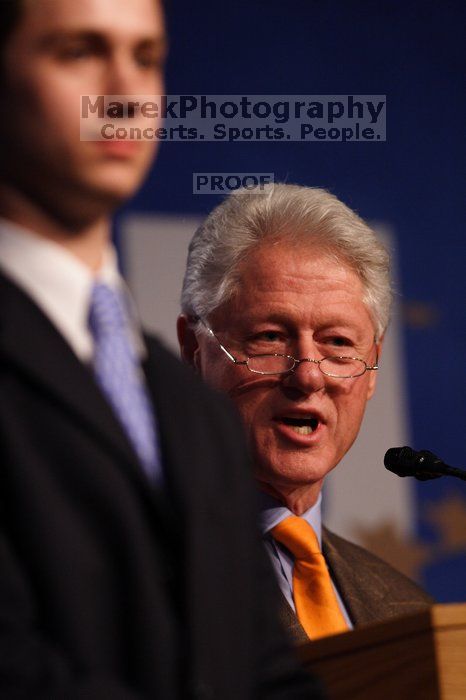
[(272, 513), (60, 284)]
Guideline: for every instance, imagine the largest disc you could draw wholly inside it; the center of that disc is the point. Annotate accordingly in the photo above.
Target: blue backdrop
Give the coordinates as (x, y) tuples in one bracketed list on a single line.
[(414, 53)]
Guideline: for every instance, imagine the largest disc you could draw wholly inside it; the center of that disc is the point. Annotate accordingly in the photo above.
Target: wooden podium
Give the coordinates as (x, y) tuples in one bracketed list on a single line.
[(419, 657)]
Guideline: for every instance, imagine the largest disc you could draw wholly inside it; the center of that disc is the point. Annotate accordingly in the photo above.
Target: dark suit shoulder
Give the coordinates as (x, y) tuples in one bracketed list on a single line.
[(372, 589), (182, 379)]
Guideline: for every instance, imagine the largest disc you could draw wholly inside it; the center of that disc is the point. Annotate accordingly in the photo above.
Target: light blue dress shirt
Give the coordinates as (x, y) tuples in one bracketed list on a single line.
[(272, 513)]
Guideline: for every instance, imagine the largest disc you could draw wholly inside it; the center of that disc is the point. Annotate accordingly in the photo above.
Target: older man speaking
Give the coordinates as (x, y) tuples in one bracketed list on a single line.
[(285, 303)]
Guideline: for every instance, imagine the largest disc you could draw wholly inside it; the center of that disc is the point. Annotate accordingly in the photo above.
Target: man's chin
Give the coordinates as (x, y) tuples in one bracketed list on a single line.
[(111, 192), (115, 177), (298, 466)]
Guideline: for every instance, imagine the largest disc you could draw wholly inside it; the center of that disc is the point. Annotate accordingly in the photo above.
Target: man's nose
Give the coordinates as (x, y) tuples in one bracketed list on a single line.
[(123, 76), (306, 376)]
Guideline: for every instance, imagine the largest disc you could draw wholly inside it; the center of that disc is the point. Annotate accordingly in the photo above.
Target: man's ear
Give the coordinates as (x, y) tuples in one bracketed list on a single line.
[(373, 377), (189, 346)]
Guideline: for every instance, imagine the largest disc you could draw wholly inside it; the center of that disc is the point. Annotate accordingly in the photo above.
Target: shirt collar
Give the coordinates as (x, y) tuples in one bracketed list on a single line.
[(273, 512), (58, 282)]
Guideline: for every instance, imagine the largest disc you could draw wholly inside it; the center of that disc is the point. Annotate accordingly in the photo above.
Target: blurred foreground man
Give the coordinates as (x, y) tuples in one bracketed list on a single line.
[(285, 303), (128, 569)]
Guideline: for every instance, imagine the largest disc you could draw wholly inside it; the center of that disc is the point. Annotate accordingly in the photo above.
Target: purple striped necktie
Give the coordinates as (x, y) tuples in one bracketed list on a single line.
[(118, 372)]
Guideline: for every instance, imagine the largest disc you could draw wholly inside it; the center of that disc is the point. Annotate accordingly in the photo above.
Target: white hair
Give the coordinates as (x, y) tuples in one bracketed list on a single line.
[(302, 216)]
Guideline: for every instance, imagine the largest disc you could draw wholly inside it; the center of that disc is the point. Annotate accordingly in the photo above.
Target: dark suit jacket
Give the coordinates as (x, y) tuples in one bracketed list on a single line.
[(371, 589), (109, 588)]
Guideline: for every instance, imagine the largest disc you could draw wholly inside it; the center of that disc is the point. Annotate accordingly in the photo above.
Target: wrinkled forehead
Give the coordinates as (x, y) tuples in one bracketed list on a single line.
[(300, 264), (290, 279)]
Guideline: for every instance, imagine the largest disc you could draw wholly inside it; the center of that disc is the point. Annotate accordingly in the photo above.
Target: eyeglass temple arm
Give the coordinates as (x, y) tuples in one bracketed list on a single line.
[(376, 366), (227, 353), (211, 333)]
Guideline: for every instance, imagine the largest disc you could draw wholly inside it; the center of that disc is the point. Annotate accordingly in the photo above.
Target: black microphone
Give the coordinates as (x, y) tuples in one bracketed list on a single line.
[(423, 465)]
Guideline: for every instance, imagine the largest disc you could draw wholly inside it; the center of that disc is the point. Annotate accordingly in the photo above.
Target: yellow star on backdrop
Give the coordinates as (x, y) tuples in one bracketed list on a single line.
[(448, 516), (403, 552)]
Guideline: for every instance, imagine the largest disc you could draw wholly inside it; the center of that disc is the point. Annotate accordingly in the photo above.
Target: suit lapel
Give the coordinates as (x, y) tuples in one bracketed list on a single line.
[(31, 344), (357, 588), (291, 623), (171, 434), (173, 419)]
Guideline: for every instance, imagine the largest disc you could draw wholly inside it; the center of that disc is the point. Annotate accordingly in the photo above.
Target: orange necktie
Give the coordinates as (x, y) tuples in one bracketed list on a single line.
[(314, 597)]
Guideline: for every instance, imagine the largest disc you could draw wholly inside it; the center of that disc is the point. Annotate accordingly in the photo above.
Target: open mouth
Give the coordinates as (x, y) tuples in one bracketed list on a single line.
[(301, 425)]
